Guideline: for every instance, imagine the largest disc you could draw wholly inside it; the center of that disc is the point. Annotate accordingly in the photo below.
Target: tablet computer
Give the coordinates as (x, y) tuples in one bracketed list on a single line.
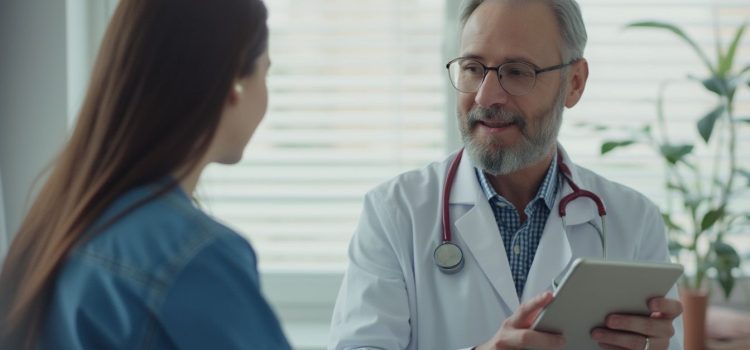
[(593, 289)]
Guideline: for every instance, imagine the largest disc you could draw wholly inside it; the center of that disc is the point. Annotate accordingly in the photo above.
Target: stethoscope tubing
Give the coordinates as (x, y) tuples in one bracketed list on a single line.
[(447, 187), (456, 261)]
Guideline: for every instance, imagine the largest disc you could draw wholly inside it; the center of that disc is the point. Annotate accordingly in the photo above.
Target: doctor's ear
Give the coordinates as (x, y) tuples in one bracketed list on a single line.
[(576, 84)]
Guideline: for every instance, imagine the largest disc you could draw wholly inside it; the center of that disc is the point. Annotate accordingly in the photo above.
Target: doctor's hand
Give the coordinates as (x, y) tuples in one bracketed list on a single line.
[(515, 333), (640, 332)]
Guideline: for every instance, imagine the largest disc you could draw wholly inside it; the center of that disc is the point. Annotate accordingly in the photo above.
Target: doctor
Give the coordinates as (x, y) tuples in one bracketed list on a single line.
[(521, 63)]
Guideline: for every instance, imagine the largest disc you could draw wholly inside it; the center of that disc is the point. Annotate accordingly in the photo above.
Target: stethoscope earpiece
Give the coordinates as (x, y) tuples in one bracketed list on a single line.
[(449, 257)]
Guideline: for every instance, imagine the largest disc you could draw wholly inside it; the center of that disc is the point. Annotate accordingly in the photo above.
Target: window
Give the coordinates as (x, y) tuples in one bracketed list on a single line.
[(356, 97)]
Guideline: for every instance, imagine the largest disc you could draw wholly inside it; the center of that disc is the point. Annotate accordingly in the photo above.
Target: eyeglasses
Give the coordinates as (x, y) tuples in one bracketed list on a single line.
[(516, 78)]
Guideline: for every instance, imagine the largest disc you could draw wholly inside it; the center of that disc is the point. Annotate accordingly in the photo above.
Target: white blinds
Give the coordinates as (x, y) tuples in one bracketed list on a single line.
[(358, 95)]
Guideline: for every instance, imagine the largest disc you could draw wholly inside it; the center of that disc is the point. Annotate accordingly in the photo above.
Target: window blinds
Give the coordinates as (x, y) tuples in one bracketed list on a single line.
[(358, 95)]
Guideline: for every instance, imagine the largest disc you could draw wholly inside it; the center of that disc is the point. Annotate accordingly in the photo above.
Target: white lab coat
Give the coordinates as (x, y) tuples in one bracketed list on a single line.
[(393, 295)]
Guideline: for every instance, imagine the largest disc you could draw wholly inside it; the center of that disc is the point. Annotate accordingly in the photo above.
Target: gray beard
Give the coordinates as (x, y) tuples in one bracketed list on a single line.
[(535, 144)]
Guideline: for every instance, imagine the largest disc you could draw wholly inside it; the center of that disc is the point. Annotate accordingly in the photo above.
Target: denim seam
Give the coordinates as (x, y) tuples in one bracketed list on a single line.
[(119, 269), (157, 296)]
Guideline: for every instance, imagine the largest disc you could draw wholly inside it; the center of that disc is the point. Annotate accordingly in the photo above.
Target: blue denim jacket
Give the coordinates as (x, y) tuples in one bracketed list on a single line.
[(165, 276)]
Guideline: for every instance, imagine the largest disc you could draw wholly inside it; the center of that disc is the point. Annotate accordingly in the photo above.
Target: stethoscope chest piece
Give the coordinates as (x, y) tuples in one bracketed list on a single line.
[(448, 257)]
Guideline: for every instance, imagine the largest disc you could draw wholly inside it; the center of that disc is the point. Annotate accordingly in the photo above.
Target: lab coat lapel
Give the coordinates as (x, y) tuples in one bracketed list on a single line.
[(479, 232), (554, 253)]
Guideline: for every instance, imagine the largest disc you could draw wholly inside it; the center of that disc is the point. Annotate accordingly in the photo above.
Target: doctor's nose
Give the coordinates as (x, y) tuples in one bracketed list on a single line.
[(490, 92)]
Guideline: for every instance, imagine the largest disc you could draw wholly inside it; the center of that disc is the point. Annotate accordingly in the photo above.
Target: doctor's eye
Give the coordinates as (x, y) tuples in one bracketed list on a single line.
[(517, 70), (471, 67)]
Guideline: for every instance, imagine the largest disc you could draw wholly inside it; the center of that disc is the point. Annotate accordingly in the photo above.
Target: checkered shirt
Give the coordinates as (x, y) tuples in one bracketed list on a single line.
[(522, 239)]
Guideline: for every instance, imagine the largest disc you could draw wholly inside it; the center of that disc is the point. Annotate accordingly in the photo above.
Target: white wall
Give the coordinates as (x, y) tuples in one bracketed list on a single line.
[(4, 241), (33, 96)]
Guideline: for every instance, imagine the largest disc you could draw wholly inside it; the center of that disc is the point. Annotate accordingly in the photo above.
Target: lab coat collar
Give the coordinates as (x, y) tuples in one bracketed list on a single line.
[(466, 187), (465, 184), (479, 232)]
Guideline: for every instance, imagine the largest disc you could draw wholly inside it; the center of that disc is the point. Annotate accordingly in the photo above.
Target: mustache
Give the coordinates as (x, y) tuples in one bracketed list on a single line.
[(480, 114)]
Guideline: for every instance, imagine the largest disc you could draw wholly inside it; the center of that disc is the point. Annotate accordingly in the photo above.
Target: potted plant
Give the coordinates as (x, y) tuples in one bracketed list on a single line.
[(700, 214)]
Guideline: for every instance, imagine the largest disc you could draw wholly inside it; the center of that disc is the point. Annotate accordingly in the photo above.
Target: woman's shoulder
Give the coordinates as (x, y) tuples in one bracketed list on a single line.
[(166, 263), (155, 238)]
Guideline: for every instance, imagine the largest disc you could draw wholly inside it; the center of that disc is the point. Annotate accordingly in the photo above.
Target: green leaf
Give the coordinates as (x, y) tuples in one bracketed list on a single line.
[(711, 217), (608, 146), (681, 34), (675, 153), (706, 124), (593, 126), (725, 65), (716, 85), (727, 254), (727, 259), (726, 280), (722, 86)]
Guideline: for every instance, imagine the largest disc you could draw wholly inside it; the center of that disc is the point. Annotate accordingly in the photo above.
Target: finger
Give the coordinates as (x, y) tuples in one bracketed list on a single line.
[(527, 338), (526, 313), (652, 327), (654, 344), (610, 347), (615, 339), (667, 308)]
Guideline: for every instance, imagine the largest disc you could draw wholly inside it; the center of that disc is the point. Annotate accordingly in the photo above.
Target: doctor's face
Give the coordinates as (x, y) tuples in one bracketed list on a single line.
[(504, 133)]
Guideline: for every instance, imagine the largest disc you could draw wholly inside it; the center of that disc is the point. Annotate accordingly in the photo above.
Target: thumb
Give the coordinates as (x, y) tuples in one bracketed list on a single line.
[(527, 312)]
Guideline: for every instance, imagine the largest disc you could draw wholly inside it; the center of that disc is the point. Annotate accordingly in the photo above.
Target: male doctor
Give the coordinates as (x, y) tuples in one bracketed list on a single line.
[(521, 63)]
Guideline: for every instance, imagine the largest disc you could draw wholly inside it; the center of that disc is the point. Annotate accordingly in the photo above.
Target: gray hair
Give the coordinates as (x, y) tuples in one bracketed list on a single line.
[(569, 22)]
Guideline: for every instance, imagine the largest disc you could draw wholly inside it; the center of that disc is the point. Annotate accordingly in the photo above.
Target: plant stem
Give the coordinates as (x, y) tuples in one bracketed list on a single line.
[(732, 155)]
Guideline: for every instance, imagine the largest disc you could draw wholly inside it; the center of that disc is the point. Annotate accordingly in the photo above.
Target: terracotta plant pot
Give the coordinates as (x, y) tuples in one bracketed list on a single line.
[(694, 304)]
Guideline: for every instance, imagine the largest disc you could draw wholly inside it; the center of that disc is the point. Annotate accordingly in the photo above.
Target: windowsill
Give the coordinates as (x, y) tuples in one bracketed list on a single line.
[(304, 302), (307, 336)]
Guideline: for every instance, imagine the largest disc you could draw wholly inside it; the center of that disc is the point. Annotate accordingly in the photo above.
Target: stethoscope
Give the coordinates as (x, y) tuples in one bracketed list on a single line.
[(449, 257)]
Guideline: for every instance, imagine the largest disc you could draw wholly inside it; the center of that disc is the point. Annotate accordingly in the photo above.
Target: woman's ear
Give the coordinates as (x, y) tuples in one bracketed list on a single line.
[(235, 93), (579, 74)]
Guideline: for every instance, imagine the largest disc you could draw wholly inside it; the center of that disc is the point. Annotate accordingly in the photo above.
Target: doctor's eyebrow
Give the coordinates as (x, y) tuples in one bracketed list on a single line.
[(511, 59)]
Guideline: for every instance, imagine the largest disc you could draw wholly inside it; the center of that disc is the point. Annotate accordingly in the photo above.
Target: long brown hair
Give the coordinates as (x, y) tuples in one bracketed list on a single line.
[(160, 82)]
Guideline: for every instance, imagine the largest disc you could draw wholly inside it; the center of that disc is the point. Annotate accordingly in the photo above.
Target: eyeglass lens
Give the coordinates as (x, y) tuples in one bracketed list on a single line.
[(467, 75)]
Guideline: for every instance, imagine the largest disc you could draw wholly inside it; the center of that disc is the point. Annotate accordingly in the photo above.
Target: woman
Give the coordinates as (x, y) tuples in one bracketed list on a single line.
[(112, 254)]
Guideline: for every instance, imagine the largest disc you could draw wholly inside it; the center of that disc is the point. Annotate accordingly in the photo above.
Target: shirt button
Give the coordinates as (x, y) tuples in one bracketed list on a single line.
[(517, 250)]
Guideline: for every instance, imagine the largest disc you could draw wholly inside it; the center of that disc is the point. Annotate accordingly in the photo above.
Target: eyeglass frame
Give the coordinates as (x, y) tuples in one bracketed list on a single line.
[(486, 69)]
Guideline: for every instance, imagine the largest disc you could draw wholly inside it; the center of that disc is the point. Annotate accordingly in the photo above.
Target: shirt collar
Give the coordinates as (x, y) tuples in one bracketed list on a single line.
[(546, 191)]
